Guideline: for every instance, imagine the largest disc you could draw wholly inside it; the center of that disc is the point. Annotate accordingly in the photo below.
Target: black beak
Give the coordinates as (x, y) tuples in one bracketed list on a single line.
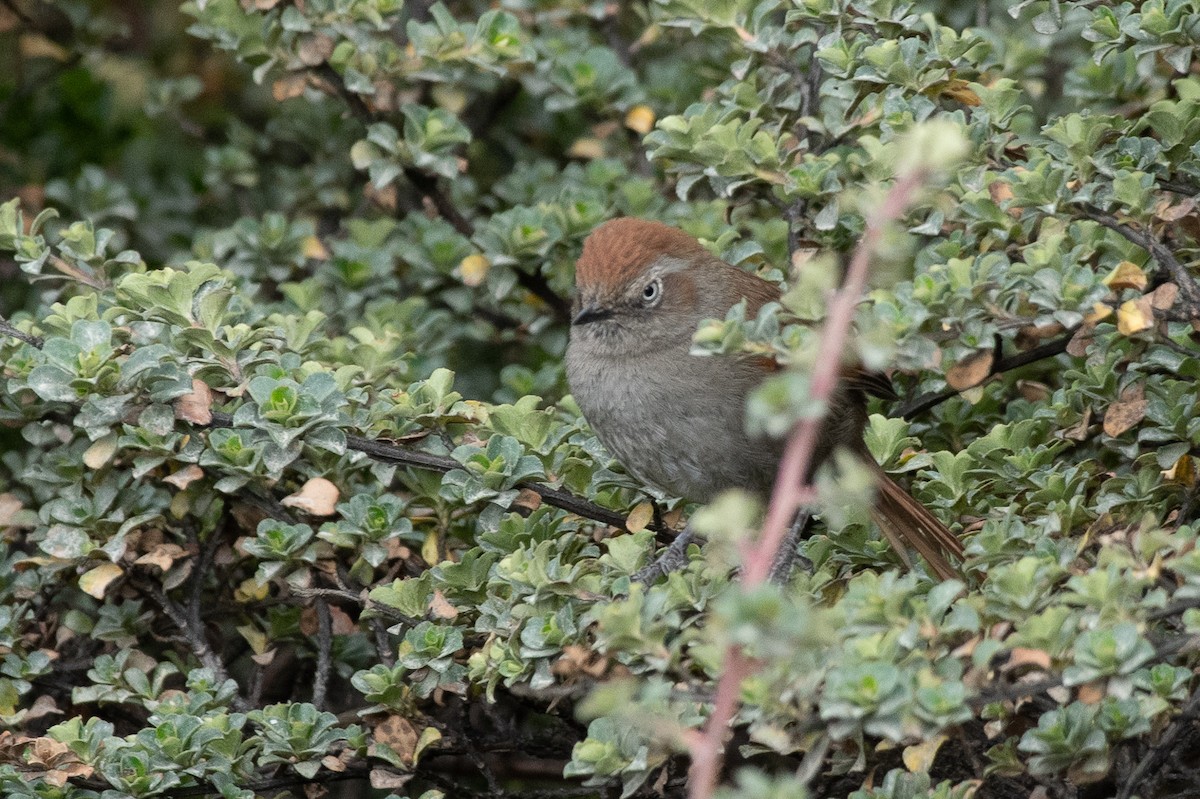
[(591, 313)]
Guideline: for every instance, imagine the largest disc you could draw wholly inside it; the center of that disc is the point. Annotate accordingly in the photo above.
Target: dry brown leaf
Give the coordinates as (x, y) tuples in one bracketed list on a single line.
[(1164, 296), (317, 497), (1091, 693), (1033, 391), (340, 622), (383, 779), (42, 706), (639, 517), (1127, 412), (162, 555), (1079, 430), (1022, 657), (970, 371), (586, 148), (1000, 192), (289, 86), (1126, 275), (315, 50), (315, 249), (958, 89), (1173, 213), (35, 45), (10, 506), (528, 499), (195, 406), (440, 608), (185, 476), (1077, 346), (1031, 335), (398, 734)]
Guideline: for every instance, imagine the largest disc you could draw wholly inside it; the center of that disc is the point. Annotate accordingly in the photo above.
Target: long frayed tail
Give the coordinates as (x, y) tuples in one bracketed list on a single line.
[(905, 523)]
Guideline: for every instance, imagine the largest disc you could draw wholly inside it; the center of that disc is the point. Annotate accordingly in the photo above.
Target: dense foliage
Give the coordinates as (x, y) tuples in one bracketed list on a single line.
[(292, 491)]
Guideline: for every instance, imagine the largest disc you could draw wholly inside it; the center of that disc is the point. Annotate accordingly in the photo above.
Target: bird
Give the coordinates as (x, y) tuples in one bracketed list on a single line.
[(676, 421)]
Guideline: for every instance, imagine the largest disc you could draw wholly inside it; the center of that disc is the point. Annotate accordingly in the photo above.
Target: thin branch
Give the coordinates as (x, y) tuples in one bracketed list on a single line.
[(7, 329), (1159, 753), (926, 402), (324, 653), (1188, 288), (194, 636), (428, 186), (394, 453), (1177, 187), (791, 482), (16, 11)]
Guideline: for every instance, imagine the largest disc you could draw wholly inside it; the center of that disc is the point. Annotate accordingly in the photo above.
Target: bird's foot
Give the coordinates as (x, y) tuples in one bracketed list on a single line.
[(672, 559), (787, 558)]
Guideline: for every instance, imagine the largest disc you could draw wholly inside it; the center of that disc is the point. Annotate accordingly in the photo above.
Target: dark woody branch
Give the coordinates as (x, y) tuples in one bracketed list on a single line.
[(927, 402), (427, 186)]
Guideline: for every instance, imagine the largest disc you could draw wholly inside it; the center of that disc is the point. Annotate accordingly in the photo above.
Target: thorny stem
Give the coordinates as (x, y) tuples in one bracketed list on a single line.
[(791, 483)]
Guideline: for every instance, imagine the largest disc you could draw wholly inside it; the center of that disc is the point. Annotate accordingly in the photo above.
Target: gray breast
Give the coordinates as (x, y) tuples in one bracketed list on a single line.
[(690, 443)]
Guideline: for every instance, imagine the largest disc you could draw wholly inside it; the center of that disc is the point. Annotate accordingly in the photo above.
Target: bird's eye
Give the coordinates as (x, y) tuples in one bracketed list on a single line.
[(652, 293)]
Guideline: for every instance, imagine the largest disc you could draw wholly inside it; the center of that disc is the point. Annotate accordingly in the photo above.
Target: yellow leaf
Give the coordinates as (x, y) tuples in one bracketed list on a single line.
[(639, 517), (96, 581), (473, 269), (919, 757), (1100, 311), (640, 119), (313, 248), (429, 548), (1132, 317), (586, 148), (1126, 275), (255, 637), (1183, 471), (101, 452), (250, 590)]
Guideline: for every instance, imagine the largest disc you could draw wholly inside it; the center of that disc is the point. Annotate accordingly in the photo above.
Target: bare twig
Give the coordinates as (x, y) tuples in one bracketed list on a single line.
[(17, 12), (394, 453), (925, 402), (1188, 287), (707, 748), (1158, 754), (193, 635), (7, 329), (427, 186), (324, 653)]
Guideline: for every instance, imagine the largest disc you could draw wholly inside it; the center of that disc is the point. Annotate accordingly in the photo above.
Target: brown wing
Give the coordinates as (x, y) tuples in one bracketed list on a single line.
[(876, 384), (756, 291)]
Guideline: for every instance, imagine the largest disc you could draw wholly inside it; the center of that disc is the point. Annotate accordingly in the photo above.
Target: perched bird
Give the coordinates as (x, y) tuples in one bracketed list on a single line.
[(677, 421)]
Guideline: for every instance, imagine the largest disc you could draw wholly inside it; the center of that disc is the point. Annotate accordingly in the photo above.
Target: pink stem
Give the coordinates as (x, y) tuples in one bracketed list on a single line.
[(791, 482)]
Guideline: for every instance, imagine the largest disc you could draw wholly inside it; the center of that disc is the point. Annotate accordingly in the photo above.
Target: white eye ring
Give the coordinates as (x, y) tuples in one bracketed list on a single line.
[(652, 293)]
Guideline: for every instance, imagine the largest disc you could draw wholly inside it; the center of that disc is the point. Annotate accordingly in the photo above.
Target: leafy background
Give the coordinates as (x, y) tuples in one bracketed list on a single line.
[(293, 496)]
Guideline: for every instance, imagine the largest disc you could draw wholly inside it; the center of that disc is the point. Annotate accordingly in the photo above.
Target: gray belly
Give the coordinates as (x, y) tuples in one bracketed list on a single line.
[(688, 443)]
